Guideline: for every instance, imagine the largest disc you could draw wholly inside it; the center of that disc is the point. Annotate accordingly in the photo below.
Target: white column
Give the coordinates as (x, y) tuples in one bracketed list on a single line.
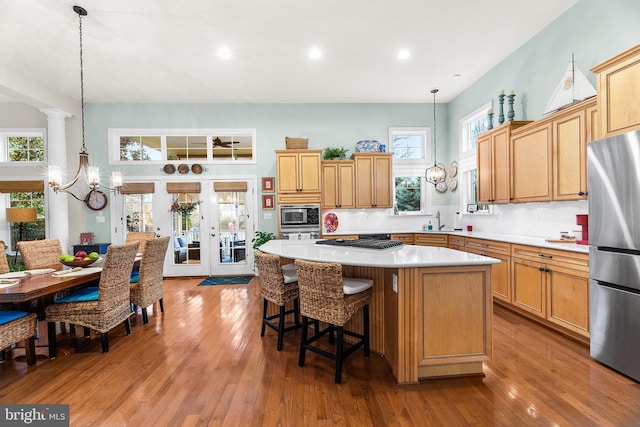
[(57, 204)]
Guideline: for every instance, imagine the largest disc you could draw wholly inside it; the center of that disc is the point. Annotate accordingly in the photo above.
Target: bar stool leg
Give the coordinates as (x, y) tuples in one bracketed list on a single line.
[(365, 320), (264, 315), (339, 346), (296, 309), (303, 340), (281, 327)]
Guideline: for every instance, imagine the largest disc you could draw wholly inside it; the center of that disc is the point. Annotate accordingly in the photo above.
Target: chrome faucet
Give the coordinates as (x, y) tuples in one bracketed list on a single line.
[(440, 227)]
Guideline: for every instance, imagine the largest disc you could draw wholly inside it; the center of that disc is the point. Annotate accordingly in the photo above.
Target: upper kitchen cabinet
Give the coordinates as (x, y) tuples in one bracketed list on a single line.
[(531, 164), (338, 184), (373, 180), (618, 93), (298, 176), (494, 163), (572, 128)]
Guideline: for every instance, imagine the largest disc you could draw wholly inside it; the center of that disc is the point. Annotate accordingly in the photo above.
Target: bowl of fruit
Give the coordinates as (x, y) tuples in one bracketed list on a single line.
[(80, 259)]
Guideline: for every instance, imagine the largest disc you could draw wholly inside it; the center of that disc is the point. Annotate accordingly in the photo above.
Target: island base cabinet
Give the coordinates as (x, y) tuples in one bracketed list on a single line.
[(444, 322)]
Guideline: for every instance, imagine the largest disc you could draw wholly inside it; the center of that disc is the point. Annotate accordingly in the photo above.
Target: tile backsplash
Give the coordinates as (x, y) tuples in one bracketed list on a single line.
[(546, 220)]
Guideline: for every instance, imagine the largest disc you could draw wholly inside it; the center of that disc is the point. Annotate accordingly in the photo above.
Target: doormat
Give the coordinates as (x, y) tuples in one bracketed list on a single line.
[(226, 280)]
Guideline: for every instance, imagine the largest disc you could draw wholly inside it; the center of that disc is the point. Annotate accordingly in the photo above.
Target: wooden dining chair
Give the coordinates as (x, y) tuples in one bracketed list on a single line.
[(16, 326), (148, 287), (330, 298), (278, 284), (101, 308), (41, 254), (141, 237)]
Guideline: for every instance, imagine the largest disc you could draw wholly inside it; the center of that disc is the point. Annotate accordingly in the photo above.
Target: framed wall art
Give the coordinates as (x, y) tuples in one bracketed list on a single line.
[(268, 201), (268, 184)]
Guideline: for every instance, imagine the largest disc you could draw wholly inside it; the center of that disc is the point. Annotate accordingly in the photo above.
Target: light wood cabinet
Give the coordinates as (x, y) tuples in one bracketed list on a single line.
[(553, 285), (373, 180), (338, 184), (456, 242), (531, 163), (406, 238), (298, 176), (441, 240), (500, 273), (571, 130), (618, 93), (494, 163)]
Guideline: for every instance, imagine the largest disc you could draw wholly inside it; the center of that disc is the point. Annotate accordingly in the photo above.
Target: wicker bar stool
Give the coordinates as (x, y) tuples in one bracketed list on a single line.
[(101, 308), (148, 287), (278, 284), (17, 326), (328, 297), (41, 253), (141, 237)]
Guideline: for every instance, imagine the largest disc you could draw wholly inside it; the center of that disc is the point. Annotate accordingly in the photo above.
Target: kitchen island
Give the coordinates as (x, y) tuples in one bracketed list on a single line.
[(431, 309)]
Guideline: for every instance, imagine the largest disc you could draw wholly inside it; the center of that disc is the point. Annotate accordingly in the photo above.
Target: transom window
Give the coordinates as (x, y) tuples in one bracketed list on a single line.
[(22, 145), (162, 145), (410, 146)]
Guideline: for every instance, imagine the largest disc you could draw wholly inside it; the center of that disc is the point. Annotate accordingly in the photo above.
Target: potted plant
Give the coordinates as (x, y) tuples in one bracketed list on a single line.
[(334, 153), (260, 239)]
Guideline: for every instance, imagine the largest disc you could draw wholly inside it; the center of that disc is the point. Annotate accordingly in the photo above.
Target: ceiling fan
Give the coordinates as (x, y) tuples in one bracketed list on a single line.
[(217, 142)]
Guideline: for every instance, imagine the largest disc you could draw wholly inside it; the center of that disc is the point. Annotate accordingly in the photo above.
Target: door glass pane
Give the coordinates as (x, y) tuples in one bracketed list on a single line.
[(232, 216), (185, 211), (139, 214)]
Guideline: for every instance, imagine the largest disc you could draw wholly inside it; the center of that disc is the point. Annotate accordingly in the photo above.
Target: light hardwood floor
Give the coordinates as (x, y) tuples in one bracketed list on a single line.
[(203, 363)]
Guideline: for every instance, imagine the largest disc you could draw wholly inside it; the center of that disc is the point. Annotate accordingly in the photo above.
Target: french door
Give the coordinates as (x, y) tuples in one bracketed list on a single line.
[(211, 223)]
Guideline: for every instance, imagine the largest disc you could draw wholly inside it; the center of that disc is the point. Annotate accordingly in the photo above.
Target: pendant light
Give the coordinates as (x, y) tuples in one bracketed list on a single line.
[(436, 173), (91, 174)]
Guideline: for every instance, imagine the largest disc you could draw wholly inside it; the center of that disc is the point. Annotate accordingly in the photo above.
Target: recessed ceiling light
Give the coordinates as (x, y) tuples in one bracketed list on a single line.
[(403, 54), (224, 52), (314, 53), (456, 76)]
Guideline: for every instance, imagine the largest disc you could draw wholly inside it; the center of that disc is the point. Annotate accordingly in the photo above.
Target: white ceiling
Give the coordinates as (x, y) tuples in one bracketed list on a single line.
[(165, 50)]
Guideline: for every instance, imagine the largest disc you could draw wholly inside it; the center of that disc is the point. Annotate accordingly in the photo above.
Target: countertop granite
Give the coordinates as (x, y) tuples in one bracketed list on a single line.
[(397, 257), (509, 238)]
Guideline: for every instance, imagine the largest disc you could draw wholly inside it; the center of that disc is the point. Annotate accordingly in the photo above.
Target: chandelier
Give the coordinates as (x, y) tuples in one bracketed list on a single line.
[(436, 173), (91, 174)]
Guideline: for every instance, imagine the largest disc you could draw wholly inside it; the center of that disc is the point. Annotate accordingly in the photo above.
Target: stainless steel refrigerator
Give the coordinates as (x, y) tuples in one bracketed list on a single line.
[(613, 166)]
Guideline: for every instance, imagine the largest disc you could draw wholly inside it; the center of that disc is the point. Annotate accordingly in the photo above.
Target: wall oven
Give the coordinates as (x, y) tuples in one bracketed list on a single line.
[(299, 221)]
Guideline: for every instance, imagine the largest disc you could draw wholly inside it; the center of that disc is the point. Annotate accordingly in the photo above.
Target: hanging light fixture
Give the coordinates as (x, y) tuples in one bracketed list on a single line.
[(436, 173), (91, 174)]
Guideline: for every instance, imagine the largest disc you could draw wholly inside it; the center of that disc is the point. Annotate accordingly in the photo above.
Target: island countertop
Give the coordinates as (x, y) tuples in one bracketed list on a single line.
[(397, 257)]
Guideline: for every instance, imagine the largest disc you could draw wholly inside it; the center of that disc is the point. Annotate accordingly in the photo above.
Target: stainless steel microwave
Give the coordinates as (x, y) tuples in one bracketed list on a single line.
[(299, 215)]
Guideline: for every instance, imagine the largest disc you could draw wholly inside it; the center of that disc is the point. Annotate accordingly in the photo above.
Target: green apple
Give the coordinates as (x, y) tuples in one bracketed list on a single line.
[(94, 255)]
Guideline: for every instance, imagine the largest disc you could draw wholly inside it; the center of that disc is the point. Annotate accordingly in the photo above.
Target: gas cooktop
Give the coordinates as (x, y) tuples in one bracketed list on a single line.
[(361, 243)]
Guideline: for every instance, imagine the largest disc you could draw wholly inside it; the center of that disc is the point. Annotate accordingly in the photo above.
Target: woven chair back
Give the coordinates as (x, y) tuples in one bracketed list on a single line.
[(4, 264), (149, 287), (41, 253), (272, 285), (141, 237), (321, 291), (116, 272)]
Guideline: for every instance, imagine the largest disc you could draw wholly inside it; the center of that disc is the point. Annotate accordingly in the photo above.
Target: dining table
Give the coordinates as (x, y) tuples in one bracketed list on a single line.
[(40, 286)]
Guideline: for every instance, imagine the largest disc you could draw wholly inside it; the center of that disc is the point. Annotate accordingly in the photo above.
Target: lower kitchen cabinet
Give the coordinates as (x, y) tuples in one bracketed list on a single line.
[(553, 285), (500, 273), (441, 240), (406, 238), (456, 242)]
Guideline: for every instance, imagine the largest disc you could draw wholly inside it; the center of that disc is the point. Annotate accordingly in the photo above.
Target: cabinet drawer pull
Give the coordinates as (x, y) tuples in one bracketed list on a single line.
[(545, 256), (484, 245)]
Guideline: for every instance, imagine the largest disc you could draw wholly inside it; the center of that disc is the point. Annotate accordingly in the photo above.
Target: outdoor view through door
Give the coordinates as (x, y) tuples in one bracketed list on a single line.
[(232, 221), (185, 210)]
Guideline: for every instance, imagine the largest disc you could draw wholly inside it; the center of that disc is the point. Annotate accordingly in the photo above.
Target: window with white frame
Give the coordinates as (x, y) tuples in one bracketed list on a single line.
[(410, 146), (230, 146), (22, 145), (471, 125)]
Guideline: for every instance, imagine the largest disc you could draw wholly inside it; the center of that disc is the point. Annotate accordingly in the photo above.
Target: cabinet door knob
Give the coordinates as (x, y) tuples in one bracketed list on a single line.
[(541, 268)]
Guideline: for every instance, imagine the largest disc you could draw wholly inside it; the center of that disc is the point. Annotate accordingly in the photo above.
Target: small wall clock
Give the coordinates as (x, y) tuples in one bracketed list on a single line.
[(96, 200)]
